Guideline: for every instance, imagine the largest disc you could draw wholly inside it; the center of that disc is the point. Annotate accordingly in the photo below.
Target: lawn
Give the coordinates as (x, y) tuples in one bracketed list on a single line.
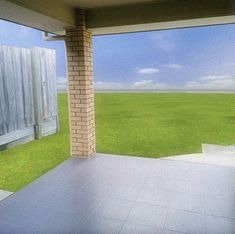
[(24, 163), (155, 125), (149, 125)]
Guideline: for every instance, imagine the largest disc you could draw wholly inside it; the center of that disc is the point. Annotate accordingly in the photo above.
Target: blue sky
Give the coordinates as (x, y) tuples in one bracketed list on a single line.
[(196, 58)]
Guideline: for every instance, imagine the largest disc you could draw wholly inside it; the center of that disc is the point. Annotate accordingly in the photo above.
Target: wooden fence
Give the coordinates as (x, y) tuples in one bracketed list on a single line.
[(28, 97)]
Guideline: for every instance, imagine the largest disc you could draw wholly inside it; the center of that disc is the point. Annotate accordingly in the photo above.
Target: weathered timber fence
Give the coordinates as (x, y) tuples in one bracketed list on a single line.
[(28, 97)]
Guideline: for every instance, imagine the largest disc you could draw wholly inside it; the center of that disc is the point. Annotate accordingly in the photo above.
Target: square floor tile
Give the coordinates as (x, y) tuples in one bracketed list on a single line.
[(154, 197), (129, 193), (173, 232), (114, 209), (134, 228), (183, 221), (6, 228), (48, 220), (10, 209), (101, 225), (148, 215), (97, 189), (53, 198), (82, 203), (187, 202), (221, 208), (220, 191), (218, 225)]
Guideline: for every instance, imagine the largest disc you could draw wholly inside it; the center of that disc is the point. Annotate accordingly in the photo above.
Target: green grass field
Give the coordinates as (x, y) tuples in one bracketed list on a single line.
[(149, 125)]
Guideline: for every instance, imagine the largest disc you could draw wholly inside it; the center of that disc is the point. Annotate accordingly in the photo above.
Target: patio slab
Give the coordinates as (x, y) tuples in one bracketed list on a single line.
[(4, 194), (226, 159), (120, 194)]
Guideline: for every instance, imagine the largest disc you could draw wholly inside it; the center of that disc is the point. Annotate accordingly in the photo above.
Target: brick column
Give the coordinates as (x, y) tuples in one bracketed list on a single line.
[(80, 89)]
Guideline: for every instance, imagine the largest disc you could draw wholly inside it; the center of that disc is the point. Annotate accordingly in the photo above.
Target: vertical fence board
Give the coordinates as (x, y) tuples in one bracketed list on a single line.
[(37, 94)]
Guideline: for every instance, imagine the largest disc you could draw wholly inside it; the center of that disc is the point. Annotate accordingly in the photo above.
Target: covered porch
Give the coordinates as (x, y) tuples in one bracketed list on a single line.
[(109, 193), (120, 194)]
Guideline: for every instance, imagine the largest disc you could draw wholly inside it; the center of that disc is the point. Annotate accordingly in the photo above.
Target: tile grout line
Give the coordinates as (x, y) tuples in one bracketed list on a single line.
[(134, 202), (164, 225)]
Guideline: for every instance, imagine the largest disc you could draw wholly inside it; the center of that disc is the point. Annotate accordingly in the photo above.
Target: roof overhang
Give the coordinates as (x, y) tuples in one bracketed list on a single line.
[(57, 15), (47, 16)]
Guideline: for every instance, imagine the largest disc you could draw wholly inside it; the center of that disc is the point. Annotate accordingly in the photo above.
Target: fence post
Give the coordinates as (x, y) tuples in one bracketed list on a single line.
[(36, 93)]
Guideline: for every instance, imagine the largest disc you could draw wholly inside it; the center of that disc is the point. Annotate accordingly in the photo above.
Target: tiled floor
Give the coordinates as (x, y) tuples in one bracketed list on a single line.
[(118, 194)]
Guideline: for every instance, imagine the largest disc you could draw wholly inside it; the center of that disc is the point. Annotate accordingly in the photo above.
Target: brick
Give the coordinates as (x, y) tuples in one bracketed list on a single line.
[(81, 91)]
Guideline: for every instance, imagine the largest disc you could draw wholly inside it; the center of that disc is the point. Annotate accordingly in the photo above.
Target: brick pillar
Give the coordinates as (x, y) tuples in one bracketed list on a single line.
[(80, 89)]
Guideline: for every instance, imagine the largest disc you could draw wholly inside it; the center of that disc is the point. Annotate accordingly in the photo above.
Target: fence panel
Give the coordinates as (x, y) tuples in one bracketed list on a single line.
[(16, 106), (28, 95), (45, 72)]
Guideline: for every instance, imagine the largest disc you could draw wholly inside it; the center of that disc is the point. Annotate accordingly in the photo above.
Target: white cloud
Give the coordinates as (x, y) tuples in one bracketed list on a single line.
[(148, 70), (222, 82), (108, 85), (214, 77), (173, 65), (142, 83), (150, 84), (191, 84), (212, 82)]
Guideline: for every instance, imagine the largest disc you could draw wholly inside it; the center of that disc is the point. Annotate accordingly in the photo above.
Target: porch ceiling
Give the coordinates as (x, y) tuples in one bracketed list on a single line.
[(104, 3), (117, 16)]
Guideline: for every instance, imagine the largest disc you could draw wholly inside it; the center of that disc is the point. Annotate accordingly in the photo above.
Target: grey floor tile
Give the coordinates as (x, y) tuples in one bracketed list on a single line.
[(129, 193), (101, 225), (175, 185), (134, 228), (221, 208), (174, 172), (187, 202), (97, 188), (6, 228), (125, 180), (53, 199), (83, 203), (10, 209), (172, 232), (219, 225), (220, 192), (218, 175), (29, 194), (114, 209), (154, 197), (148, 215), (155, 182), (69, 186), (186, 187), (48, 220), (183, 221), (196, 176)]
